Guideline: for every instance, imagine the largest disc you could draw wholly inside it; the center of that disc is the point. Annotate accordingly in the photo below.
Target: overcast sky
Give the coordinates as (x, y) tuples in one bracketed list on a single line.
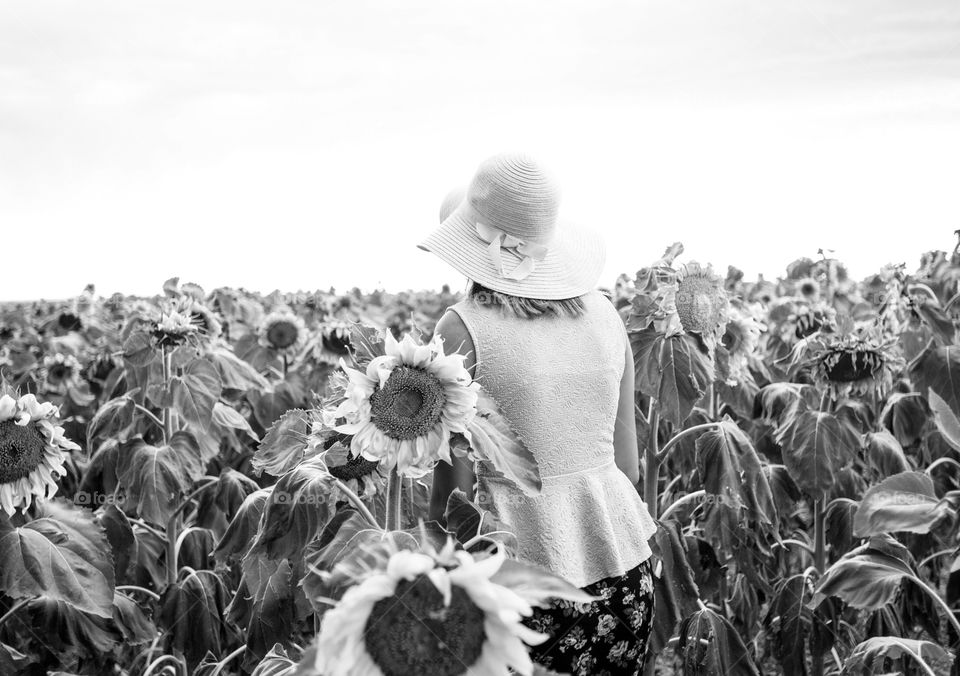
[(299, 145)]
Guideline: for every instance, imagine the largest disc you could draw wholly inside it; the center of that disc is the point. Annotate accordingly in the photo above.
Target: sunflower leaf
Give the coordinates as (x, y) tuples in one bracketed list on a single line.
[(494, 442), (283, 445), (277, 662), (139, 350), (111, 420), (815, 446), (227, 416), (243, 527), (789, 621), (156, 478), (49, 560), (709, 644), (731, 470), (675, 588), (870, 579), (872, 654), (467, 520), (196, 392), (192, 613), (263, 604), (535, 585), (296, 510), (938, 368), (905, 502), (673, 369), (946, 420), (235, 373)]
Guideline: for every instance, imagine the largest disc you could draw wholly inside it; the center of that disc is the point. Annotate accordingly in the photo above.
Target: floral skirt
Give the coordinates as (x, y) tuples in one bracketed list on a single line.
[(605, 637)]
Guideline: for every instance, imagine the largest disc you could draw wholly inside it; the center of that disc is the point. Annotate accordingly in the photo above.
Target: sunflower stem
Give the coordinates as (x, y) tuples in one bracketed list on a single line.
[(355, 500), (173, 530), (154, 419), (143, 590), (167, 420), (394, 500), (226, 660), (16, 606), (651, 475)]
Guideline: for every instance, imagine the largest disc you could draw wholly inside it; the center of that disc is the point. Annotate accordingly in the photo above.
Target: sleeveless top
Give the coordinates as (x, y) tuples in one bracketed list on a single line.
[(557, 380)]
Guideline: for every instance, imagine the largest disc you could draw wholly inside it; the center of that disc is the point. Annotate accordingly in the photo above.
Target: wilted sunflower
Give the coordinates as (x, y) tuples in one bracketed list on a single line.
[(741, 338), (803, 321), (60, 371), (403, 410), (283, 331), (334, 342), (855, 364), (32, 449), (431, 613)]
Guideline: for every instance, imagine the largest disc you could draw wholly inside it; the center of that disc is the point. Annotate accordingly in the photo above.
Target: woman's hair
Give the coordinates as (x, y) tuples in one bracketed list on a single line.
[(525, 307)]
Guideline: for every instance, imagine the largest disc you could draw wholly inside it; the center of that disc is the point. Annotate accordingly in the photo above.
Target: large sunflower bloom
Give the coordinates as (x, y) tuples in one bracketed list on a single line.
[(437, 613), (32, 449), (283, 331), (404, 408)]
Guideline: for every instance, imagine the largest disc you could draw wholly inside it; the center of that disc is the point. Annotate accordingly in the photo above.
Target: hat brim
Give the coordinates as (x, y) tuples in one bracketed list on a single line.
[(572, 266)]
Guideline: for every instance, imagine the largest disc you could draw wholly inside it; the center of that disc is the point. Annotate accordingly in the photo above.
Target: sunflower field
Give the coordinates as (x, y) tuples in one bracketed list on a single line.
[(225, 482)]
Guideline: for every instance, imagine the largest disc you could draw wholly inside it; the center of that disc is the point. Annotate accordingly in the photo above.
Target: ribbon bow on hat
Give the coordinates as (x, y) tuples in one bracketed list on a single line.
[(529, 252)]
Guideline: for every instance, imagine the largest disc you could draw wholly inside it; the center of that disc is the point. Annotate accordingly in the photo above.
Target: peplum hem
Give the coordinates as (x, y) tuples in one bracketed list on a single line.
[(584, 526)]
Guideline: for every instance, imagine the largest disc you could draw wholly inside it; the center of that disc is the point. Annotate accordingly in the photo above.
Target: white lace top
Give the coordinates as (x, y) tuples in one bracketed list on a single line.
[(557, 380)]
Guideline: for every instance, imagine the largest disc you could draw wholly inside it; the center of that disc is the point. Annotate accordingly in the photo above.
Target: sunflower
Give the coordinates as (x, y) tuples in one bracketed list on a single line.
[(363, 477), (32, 449), (403, 410), (856, 364), (200, 316), (440, 613), (691, 299), (332, 344), (808, 288), (174, 328), (59, 371), (283, 331), (763, 291), (741, 338), (701, 301)]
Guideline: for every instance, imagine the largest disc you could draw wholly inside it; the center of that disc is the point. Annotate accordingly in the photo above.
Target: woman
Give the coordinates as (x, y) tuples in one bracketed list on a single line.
[(554, 354)]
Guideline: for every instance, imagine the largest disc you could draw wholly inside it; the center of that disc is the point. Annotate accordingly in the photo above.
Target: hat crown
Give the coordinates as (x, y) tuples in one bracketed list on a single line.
[(513, 193)]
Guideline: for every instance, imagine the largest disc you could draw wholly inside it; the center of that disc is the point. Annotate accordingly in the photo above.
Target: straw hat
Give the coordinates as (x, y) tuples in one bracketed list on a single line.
[(505, 234)]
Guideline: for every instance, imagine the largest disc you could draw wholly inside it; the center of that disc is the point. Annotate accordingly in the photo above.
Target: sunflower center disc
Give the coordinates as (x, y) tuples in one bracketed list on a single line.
[(851, 367), (21, 451), (412, 632), (697, 305), (409, 404), (355, 468), (58, 373), (336, 343), (282, 335)]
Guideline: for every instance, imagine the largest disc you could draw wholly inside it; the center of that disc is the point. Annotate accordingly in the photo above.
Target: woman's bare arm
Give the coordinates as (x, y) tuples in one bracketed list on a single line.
[(460, 475), (625, 430)]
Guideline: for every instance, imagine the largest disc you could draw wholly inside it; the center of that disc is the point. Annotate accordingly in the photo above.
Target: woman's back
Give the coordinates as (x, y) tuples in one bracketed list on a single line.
[(557, 379)]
